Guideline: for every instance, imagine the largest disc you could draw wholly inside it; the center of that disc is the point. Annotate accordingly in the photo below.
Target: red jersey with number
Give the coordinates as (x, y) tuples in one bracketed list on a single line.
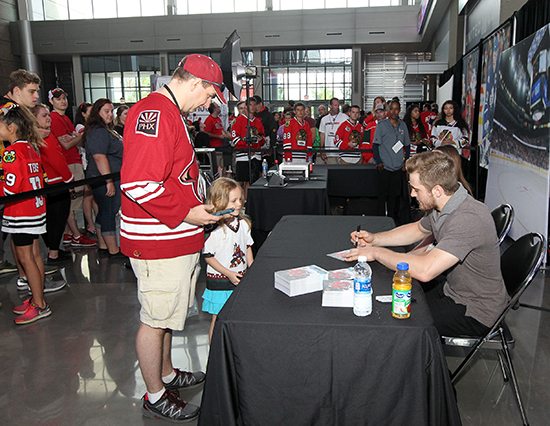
[(349, 137), (214, 125), (22, 173), (238, 133), (297, 135)]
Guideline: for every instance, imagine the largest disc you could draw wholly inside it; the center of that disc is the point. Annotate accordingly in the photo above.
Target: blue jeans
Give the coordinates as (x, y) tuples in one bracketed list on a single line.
[(108, 208)]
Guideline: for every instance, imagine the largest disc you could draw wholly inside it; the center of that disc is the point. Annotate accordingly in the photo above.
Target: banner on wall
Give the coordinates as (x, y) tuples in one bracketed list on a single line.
[(519, 157), (469, 88), (492, 48), (445, 92)]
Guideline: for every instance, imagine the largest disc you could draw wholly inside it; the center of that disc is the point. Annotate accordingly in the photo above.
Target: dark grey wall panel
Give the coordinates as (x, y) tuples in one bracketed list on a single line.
[(288, 29)]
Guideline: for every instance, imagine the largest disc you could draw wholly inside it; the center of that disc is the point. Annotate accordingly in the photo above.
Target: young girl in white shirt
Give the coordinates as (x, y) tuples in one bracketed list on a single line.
[(228, 248)]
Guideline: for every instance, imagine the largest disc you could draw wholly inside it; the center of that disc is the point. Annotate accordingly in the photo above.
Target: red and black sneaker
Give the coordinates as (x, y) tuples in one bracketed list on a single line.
[(170, 407)]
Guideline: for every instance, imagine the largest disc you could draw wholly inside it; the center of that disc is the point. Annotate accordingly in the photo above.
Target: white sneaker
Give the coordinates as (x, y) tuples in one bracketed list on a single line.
[(22, 283)]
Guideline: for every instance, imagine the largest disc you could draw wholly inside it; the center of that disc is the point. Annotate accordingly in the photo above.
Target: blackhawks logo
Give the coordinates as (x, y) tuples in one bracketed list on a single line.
[(9, 156)]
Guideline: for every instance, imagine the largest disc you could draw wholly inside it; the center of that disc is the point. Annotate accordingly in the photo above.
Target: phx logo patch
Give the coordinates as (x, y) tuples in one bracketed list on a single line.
[(9, 156), (148, 123)]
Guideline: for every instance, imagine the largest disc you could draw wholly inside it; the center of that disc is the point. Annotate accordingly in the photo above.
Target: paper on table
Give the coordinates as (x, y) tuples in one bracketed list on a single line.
[(340, 255)]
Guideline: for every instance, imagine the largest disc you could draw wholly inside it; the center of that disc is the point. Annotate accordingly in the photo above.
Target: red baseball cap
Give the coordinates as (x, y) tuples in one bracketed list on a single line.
[(207, 70)]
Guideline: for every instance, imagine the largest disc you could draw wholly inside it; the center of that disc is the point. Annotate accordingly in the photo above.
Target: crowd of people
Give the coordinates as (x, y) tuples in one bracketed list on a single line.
[(167, 218), (42, 146)]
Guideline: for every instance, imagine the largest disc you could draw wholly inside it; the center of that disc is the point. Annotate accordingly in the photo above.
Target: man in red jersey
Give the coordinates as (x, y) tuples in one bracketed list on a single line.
[(427, 116), (62, 128), (370, 128), (349, 136), (162, 225), (297, 135), (214, 129), (238, 140)]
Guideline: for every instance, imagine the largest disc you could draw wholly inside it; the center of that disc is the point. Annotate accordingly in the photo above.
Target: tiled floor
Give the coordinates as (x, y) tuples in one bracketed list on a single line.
[(79, 366)]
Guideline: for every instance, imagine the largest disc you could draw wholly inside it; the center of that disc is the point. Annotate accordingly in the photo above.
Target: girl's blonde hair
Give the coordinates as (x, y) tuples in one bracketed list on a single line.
[(218, 196), (25, 122)]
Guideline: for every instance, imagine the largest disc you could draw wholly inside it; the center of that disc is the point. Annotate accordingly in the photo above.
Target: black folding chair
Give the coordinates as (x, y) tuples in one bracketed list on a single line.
[(503, 216), (519, 264)]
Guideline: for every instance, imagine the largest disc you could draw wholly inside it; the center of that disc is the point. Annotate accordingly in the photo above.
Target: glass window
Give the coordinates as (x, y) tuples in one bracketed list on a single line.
[(128, 63), (56, 9), (223, 6), (98, 93), (37, 10), (124, 76), (114, 79), (114, 94), (316, 74), (181, 7), (131, 79), (289, 5), (153, 8), (246, 6), (127, 8), (97, 80), (104, 9), (112, 63), (197, 7), (316, 4), (80, 9)]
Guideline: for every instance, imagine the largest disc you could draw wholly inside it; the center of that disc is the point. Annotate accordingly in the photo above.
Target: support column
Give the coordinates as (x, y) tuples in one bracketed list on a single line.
[(28, 58), (357, 79), (258, 86), (78, 79)]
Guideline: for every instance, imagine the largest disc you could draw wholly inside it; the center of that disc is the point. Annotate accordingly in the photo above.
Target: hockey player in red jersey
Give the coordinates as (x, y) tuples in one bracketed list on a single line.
[(349, 137), (297, 135), (24, 219), (238, 135)]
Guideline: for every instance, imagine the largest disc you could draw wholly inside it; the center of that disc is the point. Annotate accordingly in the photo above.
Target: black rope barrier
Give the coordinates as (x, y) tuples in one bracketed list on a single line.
[(56, 188)]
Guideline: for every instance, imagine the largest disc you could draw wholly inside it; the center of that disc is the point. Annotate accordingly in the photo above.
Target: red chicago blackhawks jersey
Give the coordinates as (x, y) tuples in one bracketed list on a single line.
[(297, 135), (368, 137), (238, 133), (349, 137), (22, 173)]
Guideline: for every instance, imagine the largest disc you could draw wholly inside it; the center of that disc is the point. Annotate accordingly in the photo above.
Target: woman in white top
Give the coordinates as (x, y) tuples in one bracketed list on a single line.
[(450, 128)]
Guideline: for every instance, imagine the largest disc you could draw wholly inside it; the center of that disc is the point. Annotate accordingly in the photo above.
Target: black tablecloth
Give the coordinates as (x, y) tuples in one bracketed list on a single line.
[(276, 360), (267, 205), (349, 180)]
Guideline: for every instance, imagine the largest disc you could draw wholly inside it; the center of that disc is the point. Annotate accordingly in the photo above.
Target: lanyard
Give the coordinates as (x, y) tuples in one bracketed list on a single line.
[(173, 97)]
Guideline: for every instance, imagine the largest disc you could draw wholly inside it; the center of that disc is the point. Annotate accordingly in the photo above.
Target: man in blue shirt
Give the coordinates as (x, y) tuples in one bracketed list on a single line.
[(391, 146)]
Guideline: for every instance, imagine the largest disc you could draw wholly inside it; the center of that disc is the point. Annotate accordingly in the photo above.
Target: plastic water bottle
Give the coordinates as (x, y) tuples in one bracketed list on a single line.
[(264, 168), (401, 292), (362, 291)]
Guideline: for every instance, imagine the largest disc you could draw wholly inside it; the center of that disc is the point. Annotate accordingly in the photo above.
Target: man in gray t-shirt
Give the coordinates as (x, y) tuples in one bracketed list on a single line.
[(459, 238)]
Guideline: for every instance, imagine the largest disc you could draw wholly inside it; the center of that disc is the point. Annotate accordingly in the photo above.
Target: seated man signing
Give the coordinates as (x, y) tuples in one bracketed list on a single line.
[(472, 294)]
